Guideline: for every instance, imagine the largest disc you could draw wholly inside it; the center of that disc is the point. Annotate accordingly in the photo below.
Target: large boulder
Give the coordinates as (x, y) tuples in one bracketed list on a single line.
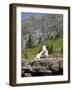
[(50, 66)]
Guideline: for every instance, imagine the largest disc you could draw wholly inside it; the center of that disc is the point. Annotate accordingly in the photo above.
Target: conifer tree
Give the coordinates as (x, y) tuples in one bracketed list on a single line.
[(29, 42)]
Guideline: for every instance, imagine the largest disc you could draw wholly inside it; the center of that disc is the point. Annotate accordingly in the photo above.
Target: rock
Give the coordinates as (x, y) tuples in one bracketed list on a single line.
[(50, 66), (22, 73), (27, 68), (47, 26), (36, 63), (39, 69), (23, 63), (28, 75), (55, 67)]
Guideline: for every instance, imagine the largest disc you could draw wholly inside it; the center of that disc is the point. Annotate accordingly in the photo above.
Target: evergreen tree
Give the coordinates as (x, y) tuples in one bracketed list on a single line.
[(40, 40), (29, 42), (51, 37), (57, 36)]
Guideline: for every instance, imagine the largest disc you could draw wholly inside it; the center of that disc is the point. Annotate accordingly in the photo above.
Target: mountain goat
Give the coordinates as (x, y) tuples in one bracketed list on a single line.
[(42, 54)]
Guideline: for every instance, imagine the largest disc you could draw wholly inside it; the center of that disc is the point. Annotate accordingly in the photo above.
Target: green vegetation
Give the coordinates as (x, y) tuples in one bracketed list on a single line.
[(30, 53), (62, 50), (50, 49), (54, 46)]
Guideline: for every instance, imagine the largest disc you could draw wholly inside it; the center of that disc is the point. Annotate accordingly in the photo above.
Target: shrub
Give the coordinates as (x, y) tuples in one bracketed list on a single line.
[(25, 55), (50, 50), (61, 50)]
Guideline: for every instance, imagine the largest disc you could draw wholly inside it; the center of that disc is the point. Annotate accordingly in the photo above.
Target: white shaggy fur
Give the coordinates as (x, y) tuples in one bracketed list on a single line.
[(39, 55)]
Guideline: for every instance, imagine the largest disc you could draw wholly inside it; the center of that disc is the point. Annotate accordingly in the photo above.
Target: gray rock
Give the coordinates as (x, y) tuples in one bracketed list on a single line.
[(28, 75), (50, 66)]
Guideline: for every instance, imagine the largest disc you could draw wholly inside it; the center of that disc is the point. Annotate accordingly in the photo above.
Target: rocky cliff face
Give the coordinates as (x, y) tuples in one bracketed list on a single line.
[(45, 27)]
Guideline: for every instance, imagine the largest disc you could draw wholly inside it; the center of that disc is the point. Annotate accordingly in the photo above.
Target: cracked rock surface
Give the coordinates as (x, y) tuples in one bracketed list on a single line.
[(43, 67)]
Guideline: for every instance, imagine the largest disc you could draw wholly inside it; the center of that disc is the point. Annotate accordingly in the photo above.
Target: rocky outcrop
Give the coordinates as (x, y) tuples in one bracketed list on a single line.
[(49, 25), (45, 67)]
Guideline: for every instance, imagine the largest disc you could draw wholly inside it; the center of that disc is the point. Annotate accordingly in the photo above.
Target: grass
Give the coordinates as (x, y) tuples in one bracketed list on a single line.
[(57, 44)]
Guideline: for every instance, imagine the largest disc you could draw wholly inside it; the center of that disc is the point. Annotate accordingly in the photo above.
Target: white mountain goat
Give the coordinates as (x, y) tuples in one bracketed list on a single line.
[(42, 54)]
